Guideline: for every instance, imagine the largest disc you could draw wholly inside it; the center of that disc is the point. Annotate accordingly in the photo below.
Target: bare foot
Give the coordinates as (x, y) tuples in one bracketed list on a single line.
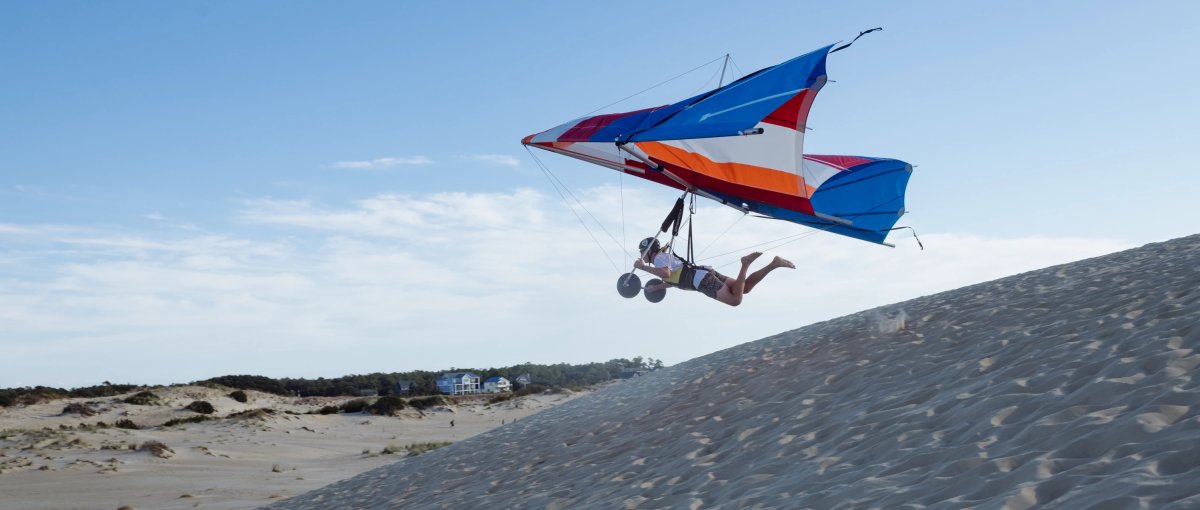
[(782, 262), (750, 258)]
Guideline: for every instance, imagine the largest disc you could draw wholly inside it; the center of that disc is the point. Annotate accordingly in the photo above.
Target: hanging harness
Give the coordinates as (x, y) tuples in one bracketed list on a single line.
[(687, 274)]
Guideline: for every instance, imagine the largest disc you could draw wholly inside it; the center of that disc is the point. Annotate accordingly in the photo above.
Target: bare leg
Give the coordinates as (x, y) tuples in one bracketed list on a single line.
[(757, 276), (731, 293)]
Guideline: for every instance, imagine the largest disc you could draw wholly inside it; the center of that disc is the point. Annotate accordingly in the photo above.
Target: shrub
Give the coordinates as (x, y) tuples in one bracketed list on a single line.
[(355, 406), (257, 414), (251, 382), (190, 419), (143, 398), (530, 389), (427, 402), (105, 390), (239, 396), (80, 409), (126, 423), (419, 448), (201, 407), (157, 448), (329, 410), (387, 406), (500, 398)]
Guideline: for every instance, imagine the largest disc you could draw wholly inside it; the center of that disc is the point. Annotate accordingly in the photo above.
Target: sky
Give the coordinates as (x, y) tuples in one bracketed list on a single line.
[(316, 189)]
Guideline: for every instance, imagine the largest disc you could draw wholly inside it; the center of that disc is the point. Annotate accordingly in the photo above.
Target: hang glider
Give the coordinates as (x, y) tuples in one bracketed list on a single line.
[(742, 145)]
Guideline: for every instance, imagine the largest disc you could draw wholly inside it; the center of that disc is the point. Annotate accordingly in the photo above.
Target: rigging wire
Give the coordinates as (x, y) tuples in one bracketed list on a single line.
[(705, 85), (786, 241), (722, 234), (621, 184), (552, 178), (652, 87), (740, 73)]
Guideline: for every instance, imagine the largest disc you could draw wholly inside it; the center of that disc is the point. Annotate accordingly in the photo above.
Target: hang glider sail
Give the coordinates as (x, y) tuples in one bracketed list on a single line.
[(743, 145)]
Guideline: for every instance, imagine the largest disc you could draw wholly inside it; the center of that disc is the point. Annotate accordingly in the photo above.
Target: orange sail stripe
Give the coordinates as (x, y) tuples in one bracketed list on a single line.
[(738, 173)]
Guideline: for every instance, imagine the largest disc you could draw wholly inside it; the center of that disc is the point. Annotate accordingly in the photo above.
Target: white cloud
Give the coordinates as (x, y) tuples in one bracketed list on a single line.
[(495, 159), (379, 163), (398, 282), (12, 229), (154, 216)]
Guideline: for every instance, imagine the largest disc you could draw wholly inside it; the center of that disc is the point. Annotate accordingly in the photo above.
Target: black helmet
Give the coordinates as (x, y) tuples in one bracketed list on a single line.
[(648, 246)]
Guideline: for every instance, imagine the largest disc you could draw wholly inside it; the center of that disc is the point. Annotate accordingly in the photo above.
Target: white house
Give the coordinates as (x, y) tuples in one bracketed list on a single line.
[(458, 383), (496, 385)]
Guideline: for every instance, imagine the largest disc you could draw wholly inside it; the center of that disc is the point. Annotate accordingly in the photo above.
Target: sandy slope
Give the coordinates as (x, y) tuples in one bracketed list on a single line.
[(227, 463), (1068, 387)]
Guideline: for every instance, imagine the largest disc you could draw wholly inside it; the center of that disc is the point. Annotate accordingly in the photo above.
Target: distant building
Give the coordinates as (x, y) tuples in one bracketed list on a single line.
[(368, 392), (522, 381), (496, 385), (406, 387), (458, 383)]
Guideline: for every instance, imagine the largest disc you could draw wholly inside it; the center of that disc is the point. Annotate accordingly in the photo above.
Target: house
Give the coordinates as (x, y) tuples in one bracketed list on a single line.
[(406, 387), (496, 385), (458, 383), (522, 381), (368, 392)]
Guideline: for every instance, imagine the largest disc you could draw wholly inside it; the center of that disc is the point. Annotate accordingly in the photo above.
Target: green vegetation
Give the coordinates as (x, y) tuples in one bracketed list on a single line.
[(201, 407), (143, 398), (251, 382), (424, 403), (80, 409), (419, 448), (157, 448), (256, 414), (552, 376), (127, 424), (355, 406), (182, 421), (560, 375), (387, 406), (32, 395)]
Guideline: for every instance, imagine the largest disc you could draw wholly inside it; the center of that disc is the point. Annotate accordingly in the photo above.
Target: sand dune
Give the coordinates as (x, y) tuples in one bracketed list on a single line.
[(255, 452), (1068, 387)]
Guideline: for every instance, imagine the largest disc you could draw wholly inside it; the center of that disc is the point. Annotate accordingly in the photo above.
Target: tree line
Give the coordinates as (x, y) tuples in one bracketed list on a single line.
[(561, 375), (425, 382)]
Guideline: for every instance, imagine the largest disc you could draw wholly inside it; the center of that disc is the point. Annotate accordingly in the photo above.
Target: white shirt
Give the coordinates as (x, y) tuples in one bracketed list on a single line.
[(668, 260), (675, 265)]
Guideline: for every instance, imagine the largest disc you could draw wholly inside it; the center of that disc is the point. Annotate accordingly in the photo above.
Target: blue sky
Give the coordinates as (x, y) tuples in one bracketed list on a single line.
[(314, 189)]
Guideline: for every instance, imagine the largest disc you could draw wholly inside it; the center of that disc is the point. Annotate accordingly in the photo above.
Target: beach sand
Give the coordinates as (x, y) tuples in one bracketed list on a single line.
[(55, 460), (1069, 387)]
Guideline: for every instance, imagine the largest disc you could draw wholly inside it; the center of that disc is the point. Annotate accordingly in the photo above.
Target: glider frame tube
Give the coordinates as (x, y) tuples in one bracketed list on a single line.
[(637, 153), (835, 219)]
